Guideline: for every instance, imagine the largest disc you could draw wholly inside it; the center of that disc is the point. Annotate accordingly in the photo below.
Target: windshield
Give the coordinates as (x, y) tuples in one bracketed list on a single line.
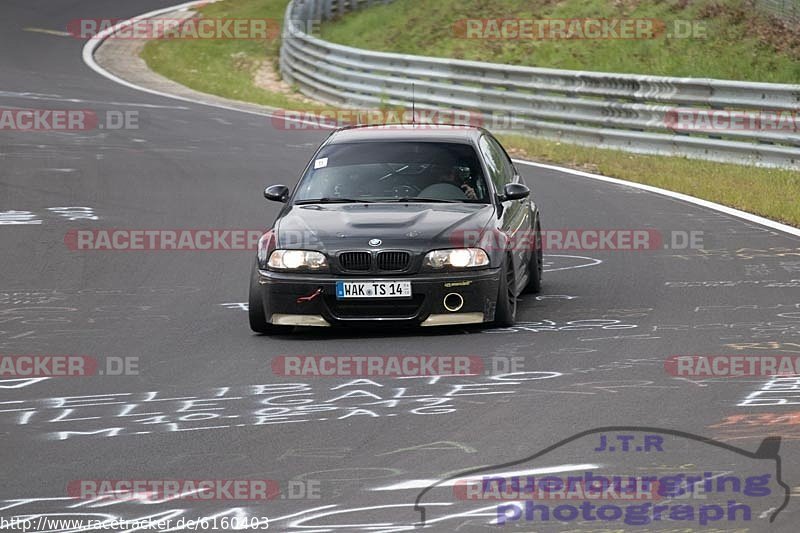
[(394, 171)]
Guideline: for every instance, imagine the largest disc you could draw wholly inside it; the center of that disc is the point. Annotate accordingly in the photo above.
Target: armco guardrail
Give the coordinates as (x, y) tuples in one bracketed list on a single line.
[(629, 112)]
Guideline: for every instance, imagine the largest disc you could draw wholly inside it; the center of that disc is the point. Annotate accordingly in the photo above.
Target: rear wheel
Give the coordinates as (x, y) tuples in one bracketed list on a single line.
[(505, 313), (255, 305)]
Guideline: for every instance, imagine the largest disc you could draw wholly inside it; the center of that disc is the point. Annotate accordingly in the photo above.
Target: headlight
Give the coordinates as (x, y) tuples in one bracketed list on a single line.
[(297, 259), (456, 258)]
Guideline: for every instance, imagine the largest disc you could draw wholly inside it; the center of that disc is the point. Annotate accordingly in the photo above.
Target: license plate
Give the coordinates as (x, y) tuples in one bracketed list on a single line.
[(373, 289)]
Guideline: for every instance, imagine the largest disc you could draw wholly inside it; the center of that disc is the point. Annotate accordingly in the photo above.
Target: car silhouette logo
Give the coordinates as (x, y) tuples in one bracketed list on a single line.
[(375, 242), (511, 487)]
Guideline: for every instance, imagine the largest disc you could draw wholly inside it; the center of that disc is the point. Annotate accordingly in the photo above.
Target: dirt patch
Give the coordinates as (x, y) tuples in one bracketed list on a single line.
[(267, 78), (781, 35)]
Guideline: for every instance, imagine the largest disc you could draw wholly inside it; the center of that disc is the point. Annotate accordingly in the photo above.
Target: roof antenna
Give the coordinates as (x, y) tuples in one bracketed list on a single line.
[(413, 104)]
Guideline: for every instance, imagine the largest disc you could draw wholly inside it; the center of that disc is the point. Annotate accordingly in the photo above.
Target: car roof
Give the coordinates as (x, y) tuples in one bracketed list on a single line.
[(407, 132)]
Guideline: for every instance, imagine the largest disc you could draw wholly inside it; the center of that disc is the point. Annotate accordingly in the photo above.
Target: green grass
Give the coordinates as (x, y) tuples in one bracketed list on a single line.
[(771, 193), (225, 67), (739, 44)]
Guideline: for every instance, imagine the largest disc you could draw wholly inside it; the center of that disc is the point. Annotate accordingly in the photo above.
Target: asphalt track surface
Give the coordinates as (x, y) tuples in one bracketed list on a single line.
[(591, 347)]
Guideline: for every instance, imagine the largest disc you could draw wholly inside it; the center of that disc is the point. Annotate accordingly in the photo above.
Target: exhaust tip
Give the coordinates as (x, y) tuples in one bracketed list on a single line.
[(453, 302)]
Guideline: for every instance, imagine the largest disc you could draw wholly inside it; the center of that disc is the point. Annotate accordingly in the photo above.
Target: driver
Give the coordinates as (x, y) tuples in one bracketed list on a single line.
[(458, 176)]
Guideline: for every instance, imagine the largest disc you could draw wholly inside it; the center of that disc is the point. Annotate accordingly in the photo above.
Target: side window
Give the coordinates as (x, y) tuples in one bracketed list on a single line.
[(494, 163), (507, 165)]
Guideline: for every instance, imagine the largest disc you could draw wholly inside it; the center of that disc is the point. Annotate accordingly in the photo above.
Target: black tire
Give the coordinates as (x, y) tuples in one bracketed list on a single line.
[(255, 305), (535, 265), (505, 313)]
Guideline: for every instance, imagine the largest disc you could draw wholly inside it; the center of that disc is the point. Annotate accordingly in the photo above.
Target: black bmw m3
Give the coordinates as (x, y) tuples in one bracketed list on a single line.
[(398, 224)]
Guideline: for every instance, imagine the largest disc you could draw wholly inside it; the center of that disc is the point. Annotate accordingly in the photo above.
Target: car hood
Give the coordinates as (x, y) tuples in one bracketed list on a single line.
[(416, 227)]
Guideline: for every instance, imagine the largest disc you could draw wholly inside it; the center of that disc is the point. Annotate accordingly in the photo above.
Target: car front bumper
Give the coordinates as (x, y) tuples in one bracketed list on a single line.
[(310, 300)]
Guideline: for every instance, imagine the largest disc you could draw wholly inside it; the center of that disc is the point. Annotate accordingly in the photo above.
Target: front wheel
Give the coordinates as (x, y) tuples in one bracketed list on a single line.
[(535, 265), (505, 313), (255, 310)]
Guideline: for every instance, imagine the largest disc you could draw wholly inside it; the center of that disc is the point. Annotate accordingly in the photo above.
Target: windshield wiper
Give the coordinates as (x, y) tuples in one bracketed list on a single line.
[(418, 199), (333, 201)]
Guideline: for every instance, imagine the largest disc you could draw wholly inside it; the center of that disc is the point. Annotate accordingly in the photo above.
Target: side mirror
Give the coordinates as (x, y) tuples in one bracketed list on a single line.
[(277, 193), (515, 191)]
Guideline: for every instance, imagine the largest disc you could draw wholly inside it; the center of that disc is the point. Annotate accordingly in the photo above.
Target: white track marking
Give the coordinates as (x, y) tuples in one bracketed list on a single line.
[(676, 195), (423, 483), (48, 32)]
